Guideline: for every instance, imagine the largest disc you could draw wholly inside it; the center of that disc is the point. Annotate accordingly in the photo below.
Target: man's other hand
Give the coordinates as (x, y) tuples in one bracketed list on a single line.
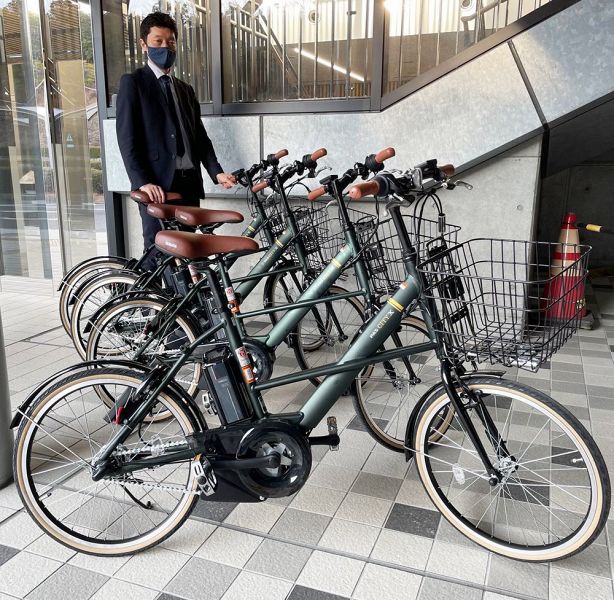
[(156, 193), (226, 180)]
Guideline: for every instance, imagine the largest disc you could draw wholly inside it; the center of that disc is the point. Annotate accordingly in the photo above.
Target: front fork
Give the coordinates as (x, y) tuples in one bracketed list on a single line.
[(472, 401)]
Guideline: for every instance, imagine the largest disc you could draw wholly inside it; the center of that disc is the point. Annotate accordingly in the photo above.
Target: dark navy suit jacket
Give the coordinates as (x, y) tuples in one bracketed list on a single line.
[(146, 132)]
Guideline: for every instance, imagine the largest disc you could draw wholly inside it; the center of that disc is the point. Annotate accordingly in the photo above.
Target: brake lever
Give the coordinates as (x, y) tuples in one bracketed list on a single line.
[(464, 184)]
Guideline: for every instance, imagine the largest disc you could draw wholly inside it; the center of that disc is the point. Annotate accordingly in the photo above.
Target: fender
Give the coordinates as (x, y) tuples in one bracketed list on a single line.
[(188, 402), (436, 389), (76, 293), (85, 262)]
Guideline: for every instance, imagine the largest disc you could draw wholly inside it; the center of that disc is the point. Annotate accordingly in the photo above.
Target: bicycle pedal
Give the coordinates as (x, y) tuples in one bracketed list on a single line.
[(331, 423), (205, 477)]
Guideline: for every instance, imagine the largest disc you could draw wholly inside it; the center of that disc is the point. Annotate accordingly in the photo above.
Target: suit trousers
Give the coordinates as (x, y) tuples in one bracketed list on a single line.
[(185, 183)]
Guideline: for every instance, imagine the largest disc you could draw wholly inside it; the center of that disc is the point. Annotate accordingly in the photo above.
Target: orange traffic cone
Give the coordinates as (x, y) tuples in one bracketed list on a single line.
[(565, 290)]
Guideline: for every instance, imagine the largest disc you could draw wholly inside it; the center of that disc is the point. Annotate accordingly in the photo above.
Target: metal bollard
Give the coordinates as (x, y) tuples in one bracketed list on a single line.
[(6, 435)]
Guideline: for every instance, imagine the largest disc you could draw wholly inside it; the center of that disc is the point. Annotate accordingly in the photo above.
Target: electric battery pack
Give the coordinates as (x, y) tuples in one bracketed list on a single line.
[(225, 383)]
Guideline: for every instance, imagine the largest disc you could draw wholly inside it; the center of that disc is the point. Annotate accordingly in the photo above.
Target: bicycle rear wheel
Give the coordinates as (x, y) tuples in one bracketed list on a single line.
[(77, 277), (554, 498), (55, 445), (122, 329), (91, 297)]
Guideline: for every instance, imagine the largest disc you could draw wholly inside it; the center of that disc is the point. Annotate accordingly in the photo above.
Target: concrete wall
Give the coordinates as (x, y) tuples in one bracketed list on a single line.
[(469, 116), (587, 190)]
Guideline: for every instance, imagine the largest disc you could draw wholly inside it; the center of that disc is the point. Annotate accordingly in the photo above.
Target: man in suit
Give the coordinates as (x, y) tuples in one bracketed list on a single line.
[(161, 137)]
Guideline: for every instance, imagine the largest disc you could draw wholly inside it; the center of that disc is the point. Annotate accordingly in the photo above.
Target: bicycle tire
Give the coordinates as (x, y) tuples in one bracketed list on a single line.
[(375, 415), (78, 276), (32, 498), (87, 303), (527, 488)]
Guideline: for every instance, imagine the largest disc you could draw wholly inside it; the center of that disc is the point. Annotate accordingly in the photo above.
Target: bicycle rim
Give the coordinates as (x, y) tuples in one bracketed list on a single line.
[(555, 495)]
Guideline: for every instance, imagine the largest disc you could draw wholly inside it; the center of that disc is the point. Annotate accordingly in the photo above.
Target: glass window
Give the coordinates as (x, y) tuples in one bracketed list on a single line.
[(421, 34), (121, 24), (296, 49)]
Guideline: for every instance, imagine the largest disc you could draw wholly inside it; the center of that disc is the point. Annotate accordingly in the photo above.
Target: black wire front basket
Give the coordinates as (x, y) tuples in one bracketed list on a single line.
[(383, 252), (505, 301)]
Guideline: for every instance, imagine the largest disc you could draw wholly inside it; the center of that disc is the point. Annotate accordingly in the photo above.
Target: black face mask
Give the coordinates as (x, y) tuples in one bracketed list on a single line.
[(162, 57)]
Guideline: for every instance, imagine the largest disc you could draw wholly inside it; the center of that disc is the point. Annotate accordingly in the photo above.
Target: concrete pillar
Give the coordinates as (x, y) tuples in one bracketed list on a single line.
[(6, 435)]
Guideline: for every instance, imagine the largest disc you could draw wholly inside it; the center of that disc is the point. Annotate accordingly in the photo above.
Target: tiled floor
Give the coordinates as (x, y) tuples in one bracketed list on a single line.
[(361, 528)]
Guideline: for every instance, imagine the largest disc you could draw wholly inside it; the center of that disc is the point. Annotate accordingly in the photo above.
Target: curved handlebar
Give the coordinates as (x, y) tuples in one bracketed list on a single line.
[(318, 154), (385, 154), (448, 170), (360, 190), (261, 185), (281, 153), (314, 194)]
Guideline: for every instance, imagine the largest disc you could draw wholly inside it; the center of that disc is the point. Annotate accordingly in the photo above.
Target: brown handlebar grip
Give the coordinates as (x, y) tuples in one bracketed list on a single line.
[(384, 154), (360, 190), (173, 197), (281, 153), (261, 185), (140, 196), (448, 170), (318, 154), (314, 194)]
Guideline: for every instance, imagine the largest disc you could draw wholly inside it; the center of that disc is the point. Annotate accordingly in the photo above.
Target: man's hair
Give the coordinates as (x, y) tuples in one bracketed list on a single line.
[(157, 19)]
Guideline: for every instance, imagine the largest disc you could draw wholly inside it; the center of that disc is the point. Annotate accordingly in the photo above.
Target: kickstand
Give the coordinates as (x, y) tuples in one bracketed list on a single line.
[(147, 506)]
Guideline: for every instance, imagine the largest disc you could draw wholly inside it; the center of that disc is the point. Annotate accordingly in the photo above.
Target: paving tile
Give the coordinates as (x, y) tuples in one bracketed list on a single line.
[(349, 537), (413, 519), (386, 463), (9, 497), (279, 559), (300, 526), (154, 568), (571, 584), (106, 565), (69, 582), (22, 573), (214, 511), (402, 549), (469, 564), (594, 560), (334, 478), (601, 391), (115, 588), (530, 579), (252, 586), (364, 509), (437, 589), (190, 537), (300, 592), (202, 580), (47, 546), (379, 486), (383, 582), (314, 499), (19, 531), (257, 516), (230, 547), (6, 553), (331, 573)]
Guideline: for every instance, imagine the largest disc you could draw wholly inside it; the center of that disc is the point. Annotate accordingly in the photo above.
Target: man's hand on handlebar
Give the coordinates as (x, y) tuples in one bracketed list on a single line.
[(227, 180), (155, 192)]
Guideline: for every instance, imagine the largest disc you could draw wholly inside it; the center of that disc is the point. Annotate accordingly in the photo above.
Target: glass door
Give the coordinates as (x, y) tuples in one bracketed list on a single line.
[(51, 206)]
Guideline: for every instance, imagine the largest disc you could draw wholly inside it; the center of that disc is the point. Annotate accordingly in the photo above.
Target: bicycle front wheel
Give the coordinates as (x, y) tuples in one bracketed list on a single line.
[(385, 394), (54, 452), (326, 332), (554, 496)]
